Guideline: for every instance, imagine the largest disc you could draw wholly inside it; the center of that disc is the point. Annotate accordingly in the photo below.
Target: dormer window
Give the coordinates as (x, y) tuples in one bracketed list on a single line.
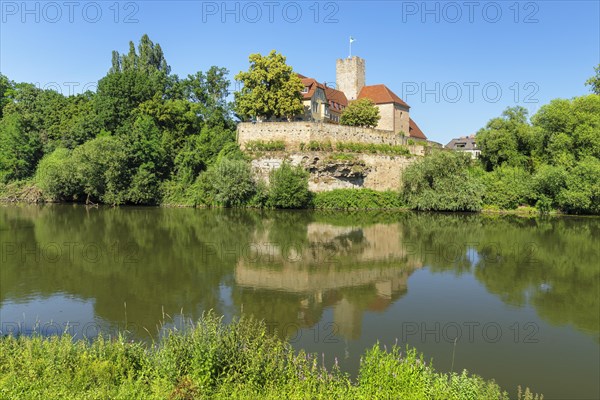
[(305, 90)]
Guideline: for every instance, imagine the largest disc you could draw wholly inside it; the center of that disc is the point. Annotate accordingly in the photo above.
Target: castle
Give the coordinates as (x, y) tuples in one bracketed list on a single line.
[(325, 104)]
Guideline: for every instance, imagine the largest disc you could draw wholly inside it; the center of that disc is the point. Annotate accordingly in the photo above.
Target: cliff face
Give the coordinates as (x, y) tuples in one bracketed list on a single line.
[(329, 171)]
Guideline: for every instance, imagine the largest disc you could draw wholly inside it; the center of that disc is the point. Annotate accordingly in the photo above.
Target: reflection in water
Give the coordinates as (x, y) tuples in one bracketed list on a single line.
[(367, 273), (318, 274)]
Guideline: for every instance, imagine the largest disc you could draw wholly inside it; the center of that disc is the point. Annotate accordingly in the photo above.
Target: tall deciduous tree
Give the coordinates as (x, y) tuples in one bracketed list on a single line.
[(508, 139), (6, 92), (20, 149), (362, 112), (270, 89)]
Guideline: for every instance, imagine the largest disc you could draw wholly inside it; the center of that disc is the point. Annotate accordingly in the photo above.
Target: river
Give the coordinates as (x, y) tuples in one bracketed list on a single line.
[(509, 298)]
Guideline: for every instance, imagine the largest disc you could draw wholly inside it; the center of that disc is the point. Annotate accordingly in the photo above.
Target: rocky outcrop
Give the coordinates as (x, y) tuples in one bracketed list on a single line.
[(329, 171)]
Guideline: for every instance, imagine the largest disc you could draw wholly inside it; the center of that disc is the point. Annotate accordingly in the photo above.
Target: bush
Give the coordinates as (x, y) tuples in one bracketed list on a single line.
[(442, 182), (289, 187), (581, 194), (228, 183), (56, 176), (373, 148), (549, 181), (261, 145), (102, 170), (357, 199), (508, 187), (314, 145)]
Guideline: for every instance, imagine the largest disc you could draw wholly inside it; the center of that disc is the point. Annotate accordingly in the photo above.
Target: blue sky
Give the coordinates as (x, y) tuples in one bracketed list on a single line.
[(456, 63)]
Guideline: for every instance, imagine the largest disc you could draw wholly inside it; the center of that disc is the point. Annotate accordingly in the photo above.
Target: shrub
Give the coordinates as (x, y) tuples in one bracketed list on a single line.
[(56, 176), (101, 170), (441, 182), (581, 194), (373, 148), (508, 187), (289, 187), (314, 145), (549, 181), (228, 183), (261, 145)]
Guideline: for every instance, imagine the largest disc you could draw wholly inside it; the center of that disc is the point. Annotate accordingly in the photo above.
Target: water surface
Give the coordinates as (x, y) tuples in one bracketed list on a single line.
[(507, 298)]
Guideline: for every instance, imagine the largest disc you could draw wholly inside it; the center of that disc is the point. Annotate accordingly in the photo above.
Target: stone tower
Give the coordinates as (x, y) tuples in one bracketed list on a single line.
[(350, 76)]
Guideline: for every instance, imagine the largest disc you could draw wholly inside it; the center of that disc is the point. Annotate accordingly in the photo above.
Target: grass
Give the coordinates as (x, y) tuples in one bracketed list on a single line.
[(373, 148), (261, 145), (369, 148), (210, 359)]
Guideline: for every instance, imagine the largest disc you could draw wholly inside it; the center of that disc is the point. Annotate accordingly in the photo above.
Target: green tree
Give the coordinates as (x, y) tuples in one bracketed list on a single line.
[(288, 187), (6, 92), (508, 187), (568, 130), (594, 81), (581, 194), (270, 89), (20, 149), (362, 112), (508, 139), (442, 182)]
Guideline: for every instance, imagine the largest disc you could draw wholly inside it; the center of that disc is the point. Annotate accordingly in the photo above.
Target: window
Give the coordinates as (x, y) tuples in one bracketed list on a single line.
[(305, 90)]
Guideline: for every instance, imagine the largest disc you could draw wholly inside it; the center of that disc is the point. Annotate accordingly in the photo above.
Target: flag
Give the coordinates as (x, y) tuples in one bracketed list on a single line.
[(352, 39)]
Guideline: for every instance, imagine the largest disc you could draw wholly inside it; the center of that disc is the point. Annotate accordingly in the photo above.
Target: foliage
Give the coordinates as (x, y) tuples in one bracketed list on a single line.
[(100, 171), (506, 140), (550, 163), (357, 199), (56, 175), (210, 359), (6, 92), (289, 187), (270, 89), (20, 149), (568, 130), (361, 112), (442, 182), (373, 148), (581, 194), (315, 145), (142, 128), (228, 183), (594, 81), (507, 187), (261, 145)]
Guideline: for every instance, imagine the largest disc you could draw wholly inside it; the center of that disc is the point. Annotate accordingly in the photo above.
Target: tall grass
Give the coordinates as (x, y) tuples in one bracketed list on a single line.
[(210, 359)]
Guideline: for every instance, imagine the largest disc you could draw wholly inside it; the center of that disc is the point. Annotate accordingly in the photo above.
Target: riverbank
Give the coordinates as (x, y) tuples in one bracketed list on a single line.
[(209, 359), (335, 200)]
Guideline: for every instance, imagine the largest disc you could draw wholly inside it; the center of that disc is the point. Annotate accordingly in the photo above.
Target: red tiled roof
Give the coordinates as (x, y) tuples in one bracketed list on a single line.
[(312, 86), (380, 94), (336, 96), (330, 93), (415, 131)]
